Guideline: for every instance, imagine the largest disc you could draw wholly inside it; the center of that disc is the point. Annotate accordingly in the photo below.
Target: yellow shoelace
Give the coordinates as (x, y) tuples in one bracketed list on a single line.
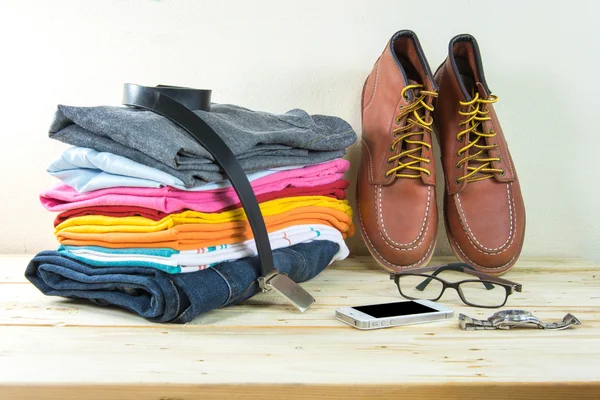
[(477, 114), (413, 109)]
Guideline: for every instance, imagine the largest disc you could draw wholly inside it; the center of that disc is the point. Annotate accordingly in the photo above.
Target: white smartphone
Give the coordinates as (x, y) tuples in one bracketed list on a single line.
[(386, 315)]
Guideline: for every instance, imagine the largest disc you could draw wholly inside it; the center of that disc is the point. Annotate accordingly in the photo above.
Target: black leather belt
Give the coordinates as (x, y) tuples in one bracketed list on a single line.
[(176, 104), (163, 100)]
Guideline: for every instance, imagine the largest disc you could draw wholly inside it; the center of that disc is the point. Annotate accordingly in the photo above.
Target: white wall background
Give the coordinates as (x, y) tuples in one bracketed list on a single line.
[(541, 58)]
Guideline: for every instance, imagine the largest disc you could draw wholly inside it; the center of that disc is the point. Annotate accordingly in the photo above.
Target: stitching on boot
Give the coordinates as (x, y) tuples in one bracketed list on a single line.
[(467, 229), (423, 226), (485, 268), (380, 256), (375, 88)]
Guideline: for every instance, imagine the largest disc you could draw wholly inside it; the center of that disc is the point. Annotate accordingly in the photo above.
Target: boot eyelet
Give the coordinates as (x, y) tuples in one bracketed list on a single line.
[(457, 181), (503, 173), (458, 166)]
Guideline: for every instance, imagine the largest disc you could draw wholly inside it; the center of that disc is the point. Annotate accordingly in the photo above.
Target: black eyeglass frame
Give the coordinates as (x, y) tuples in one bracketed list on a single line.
[(487, 280)]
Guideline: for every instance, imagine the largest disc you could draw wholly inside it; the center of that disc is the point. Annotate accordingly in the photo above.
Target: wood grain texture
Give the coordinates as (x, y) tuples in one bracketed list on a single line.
[(449, 391), (56, 348)]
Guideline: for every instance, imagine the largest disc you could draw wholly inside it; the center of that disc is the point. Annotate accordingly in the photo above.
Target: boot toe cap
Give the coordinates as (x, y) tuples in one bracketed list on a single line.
[(488, 235), (392, 247)]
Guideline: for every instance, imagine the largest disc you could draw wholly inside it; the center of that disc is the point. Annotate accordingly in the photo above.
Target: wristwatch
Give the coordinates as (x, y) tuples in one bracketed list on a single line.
[(509, 319)]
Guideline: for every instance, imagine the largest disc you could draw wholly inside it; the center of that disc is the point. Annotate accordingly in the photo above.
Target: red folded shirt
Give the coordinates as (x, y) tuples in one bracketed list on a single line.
[(335, 189)]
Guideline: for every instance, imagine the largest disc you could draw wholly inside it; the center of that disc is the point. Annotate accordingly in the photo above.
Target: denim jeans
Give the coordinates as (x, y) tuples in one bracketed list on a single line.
[(161, 297)]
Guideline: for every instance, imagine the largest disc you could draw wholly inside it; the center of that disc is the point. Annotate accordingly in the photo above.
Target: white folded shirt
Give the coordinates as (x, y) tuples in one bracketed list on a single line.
[(175, 261), (86, 170)]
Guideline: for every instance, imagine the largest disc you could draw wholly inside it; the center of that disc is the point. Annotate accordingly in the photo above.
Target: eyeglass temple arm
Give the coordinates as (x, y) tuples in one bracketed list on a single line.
[(460, 267), (517, 286)]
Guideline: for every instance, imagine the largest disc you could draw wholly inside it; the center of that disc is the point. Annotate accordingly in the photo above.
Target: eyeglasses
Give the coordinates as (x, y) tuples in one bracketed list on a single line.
[(423, 284)]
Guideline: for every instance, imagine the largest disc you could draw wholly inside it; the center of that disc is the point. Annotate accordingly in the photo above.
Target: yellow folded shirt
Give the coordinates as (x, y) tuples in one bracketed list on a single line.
[(104, 224)]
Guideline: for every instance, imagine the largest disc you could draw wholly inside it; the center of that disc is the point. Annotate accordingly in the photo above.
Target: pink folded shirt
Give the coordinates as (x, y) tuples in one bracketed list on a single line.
[(168, 199)]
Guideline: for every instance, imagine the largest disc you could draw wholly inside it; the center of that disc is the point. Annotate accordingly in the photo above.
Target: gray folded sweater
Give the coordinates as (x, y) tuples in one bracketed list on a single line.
[(259, 140)]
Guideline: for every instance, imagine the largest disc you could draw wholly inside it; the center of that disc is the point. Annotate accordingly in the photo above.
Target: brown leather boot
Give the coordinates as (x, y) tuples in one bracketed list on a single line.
[(484, 211), (396, 182)]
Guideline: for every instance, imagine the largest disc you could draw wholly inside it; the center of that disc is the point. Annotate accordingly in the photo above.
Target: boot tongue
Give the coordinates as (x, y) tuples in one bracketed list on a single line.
[(479, 88), (414, 92), (408, 146), (483, 94), (417, 92)]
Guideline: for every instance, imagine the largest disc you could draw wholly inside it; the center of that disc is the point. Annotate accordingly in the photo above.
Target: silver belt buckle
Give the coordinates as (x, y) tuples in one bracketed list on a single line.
[(288, 289)]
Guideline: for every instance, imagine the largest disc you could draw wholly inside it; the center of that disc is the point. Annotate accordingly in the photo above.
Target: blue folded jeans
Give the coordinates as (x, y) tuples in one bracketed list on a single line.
[(179, 298)]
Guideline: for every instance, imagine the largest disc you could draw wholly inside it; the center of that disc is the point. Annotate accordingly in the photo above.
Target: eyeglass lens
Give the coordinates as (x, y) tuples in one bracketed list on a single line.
[(477, 293), (413, 286), (490, 295)]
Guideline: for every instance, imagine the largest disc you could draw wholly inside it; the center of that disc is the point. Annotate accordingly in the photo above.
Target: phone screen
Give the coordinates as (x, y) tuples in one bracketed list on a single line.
[(395, 309)]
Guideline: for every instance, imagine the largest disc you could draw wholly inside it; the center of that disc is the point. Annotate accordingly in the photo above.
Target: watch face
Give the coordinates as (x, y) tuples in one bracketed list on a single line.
[(513, 315)]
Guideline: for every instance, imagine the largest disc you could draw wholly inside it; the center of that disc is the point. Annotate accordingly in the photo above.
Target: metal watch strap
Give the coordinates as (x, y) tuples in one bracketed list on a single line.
[(472, 324), (566, 322), (173, 103)]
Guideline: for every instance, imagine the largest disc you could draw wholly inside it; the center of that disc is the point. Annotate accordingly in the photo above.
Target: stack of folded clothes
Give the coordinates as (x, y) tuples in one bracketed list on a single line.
[(148, 222)]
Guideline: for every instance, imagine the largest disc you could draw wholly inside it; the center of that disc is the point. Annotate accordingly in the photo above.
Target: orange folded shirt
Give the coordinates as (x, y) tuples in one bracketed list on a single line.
[(190, 236)]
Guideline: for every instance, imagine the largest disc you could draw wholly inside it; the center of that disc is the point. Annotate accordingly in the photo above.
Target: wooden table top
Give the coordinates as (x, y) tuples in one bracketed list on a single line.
[(52, 347)]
